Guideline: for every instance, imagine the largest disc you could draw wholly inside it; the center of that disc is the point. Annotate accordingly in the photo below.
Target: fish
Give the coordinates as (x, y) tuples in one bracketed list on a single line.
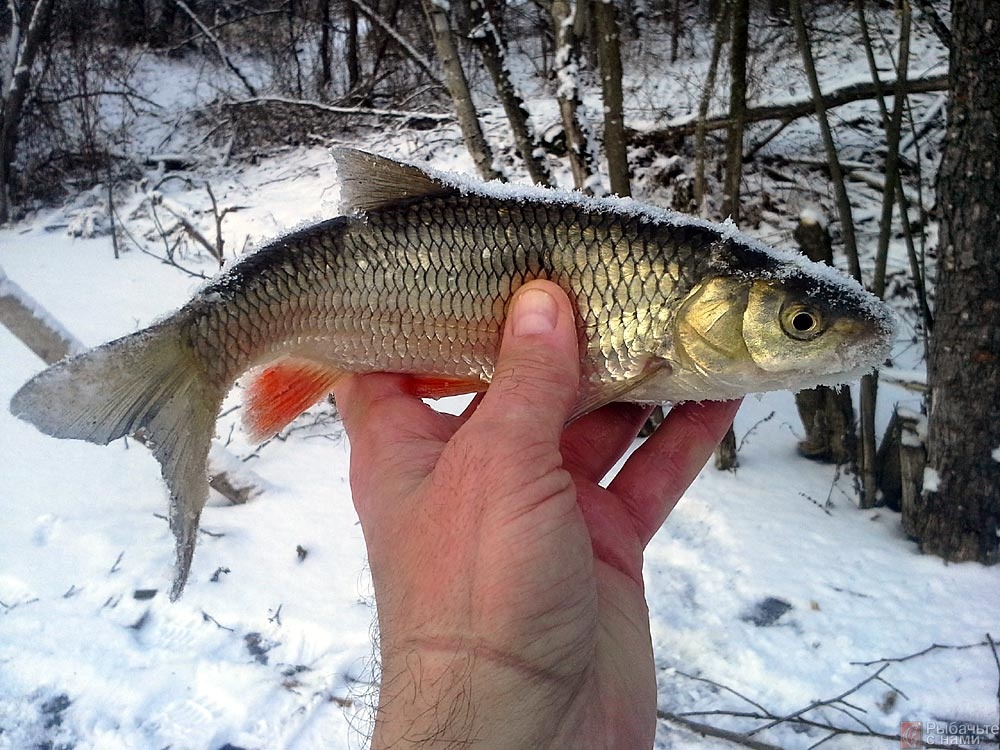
[(415, 277)]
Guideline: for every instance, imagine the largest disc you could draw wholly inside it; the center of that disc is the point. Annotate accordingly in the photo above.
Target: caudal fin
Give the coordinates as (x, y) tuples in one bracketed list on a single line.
[(147, 381)]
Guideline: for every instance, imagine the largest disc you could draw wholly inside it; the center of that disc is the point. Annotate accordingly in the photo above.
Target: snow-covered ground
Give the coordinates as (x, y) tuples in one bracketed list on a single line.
[(768, 589)]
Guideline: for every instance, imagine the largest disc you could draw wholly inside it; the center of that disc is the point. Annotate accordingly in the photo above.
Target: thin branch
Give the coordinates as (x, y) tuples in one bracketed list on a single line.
[(726, 688), (707, 730), (855, 92), (942, 31), (916, 654), (398, 38), (996, 660), (435, 116), (818, 704), (218, 46)]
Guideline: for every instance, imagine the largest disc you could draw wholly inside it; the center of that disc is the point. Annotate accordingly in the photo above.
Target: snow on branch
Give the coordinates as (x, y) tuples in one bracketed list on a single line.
[(687, 125), (334, 109)]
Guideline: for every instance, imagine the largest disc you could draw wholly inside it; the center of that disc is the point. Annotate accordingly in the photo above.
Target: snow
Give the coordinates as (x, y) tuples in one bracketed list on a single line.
[(932, 480), (82, 544), (271, 645)]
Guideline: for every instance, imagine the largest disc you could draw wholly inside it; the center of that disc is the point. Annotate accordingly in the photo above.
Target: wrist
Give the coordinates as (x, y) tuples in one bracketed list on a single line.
[(449, 695)]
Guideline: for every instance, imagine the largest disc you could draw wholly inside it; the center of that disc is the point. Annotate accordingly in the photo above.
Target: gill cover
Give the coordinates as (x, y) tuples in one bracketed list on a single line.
[(710, 324)]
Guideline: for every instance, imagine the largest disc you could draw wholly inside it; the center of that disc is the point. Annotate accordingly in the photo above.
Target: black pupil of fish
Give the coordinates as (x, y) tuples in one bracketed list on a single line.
[(803, 322)]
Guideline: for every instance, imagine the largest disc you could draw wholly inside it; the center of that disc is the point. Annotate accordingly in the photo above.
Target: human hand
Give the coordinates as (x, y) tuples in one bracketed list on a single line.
[(508, 581)]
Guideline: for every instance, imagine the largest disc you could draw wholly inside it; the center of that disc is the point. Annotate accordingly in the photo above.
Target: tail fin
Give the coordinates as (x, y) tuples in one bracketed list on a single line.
[(146, 381)]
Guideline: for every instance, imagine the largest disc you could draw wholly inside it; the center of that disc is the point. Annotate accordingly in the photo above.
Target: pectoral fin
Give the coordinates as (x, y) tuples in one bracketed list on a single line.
[(617, 390)]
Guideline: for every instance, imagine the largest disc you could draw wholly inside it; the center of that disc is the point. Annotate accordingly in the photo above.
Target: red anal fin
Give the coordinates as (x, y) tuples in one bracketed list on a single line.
[(280, 392), (437, 387)]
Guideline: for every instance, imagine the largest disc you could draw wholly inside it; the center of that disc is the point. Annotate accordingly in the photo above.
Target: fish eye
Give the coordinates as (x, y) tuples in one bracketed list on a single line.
[(802, 322)]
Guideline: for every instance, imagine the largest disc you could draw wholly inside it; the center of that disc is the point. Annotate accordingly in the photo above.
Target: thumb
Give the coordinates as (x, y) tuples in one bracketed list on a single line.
[(537, 372)]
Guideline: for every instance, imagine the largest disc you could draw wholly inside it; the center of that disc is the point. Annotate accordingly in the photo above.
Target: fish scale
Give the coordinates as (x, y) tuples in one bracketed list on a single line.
[(416, 279), (375, 277)]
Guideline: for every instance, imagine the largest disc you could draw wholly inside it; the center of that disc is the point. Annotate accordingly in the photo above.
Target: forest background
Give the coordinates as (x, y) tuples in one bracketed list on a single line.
[(866, 133)]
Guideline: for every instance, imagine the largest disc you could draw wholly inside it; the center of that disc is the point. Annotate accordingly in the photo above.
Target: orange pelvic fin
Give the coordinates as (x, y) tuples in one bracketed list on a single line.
[(434, 387), (280, 392)]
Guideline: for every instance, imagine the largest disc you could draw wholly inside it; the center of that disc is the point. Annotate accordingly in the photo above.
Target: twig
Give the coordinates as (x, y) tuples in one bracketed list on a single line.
[(708, 730), (996, 659), (932, 647), (208, 618), (218, 46), (720, 686), (753, 428), (818, 704)]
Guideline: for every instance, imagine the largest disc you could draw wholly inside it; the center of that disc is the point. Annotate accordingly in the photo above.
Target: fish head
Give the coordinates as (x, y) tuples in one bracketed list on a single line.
[(742, 333)]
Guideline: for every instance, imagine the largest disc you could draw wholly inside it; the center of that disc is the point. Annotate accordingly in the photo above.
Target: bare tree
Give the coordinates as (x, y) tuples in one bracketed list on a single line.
[(718, 40), (869, 484), (725, 454), (610, 60), (739, 44), (959, 513), (567, 69), (353, 65), (491, 48), (827, 413), (458, 87), (24, 39)]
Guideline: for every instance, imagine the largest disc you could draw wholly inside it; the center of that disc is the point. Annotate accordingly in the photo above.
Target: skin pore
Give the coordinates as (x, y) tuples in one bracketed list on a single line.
[(508, 581)]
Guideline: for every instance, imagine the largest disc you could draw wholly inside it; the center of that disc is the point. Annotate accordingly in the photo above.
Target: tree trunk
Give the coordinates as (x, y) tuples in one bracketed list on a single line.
[(487, 40), (959, 512), (353, 66), (868, 384), (725, 454), (610, 60), (15, 95), (718, 40), (827, 413), (325, 69), (567, 69), (675, 31), (458, 87), (739, 42)]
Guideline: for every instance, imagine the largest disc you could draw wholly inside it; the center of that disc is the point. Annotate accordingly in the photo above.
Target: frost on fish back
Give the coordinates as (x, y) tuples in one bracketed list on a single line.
[(371, 182), (146, 381)]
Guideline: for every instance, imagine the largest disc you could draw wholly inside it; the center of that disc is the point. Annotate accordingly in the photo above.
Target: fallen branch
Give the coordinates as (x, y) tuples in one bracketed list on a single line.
[(798, 719), (855, 92), (405, 114)]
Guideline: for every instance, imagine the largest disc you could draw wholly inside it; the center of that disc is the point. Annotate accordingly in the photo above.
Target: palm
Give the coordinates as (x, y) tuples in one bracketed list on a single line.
[(534, 572)]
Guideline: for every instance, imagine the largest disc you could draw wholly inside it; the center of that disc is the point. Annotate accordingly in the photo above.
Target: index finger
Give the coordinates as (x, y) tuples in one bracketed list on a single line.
[(661, 470)]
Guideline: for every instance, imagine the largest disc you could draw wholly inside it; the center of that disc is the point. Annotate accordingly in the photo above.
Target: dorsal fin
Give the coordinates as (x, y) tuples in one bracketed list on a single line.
[(369, 182)]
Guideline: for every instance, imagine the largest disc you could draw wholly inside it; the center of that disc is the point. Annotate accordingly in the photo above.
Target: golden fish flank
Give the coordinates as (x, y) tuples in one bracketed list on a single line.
[(416, 279)]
